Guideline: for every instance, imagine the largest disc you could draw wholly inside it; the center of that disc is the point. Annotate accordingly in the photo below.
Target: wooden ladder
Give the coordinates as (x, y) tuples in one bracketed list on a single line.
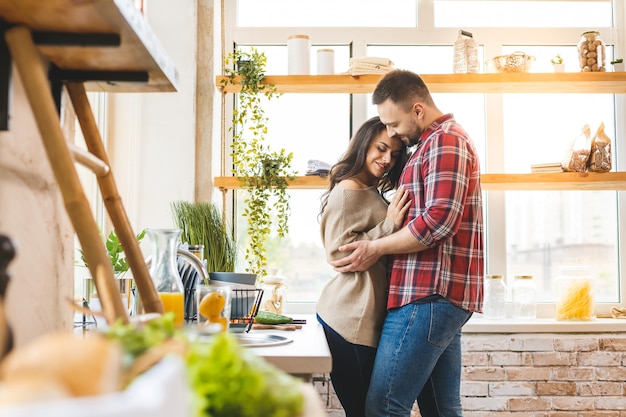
[(62, 156)]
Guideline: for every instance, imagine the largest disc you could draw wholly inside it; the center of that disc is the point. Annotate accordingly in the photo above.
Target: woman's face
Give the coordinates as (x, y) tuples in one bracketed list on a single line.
[(382, 154)]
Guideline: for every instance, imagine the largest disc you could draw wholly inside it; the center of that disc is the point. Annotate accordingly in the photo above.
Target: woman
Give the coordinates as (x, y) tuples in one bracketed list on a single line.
[(353, 305)]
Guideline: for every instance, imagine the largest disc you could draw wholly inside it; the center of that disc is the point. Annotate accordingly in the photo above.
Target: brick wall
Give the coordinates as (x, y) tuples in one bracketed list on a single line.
[(531, 375)]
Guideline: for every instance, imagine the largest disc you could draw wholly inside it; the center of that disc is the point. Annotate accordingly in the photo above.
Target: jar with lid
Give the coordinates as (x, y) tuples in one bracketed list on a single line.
[(575, 294), (494, 305), (274, 295), (524, 297), (298, 55), (591, 52)]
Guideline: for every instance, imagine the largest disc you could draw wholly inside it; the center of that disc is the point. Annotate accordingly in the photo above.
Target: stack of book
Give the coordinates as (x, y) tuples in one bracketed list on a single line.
[(546, 167)]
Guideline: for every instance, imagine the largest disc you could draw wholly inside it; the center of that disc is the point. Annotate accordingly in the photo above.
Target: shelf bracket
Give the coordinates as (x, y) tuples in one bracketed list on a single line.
[(77, 39), (111, 77), (5, 79), (58, 77)]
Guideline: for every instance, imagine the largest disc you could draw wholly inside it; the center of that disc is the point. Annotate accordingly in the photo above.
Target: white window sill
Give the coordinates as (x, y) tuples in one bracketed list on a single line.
[(477, 324)]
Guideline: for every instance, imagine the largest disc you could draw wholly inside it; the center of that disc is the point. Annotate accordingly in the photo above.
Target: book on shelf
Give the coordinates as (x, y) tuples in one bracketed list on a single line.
[(546, 167)]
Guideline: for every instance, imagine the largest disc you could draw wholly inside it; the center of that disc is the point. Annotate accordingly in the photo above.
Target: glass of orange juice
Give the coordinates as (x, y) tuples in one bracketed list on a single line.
[(174, 302), (213, 304)]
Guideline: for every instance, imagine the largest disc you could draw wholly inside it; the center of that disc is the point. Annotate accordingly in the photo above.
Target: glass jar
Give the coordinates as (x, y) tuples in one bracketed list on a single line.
[(524, 297), (591, 52), (575, 294), (164, 272), (197, 250), (274, 295), (494, 305)]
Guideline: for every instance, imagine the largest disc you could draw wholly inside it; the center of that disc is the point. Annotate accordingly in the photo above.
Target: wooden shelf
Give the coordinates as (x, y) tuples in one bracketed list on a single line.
[(300, 183), (566, 82), (139, 50), (490, 182), (555, 181)]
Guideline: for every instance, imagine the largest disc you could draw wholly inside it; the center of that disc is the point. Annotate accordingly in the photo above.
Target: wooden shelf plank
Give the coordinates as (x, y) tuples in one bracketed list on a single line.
[(310, 182), (140, 50), (490, 182), (555, 181), (566, 82)]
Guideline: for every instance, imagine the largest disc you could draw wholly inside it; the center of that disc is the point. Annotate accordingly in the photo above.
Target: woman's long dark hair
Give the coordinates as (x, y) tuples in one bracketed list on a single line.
[(353, 161)]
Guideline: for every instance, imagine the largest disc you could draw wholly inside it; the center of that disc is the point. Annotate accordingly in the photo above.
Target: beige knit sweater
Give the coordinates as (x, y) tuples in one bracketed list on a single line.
[(354, 304)]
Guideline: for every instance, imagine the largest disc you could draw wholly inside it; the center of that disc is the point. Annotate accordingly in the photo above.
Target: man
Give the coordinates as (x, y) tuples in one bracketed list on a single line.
[(436, 276)]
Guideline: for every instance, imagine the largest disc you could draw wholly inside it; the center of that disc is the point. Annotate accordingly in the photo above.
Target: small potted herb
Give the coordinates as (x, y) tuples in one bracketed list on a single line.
[(557, 63), (117, 257), (618, 65)]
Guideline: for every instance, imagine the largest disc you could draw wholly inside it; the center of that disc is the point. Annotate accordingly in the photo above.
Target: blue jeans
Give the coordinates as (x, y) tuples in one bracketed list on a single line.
[(418, 358)]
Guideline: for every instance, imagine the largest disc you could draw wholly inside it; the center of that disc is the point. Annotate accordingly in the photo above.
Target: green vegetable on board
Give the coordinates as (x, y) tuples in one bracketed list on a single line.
[(267, 317)]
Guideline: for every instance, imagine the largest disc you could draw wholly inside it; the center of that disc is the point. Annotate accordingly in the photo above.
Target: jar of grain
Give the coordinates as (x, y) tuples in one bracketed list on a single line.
[(591, 52)]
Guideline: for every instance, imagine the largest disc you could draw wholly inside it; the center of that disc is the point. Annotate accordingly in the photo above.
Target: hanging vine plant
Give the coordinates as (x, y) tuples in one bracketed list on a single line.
[(264, 172)]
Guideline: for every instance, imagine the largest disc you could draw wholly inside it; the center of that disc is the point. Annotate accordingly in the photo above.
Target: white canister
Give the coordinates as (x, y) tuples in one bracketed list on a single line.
[(299, 54), (325, 61)]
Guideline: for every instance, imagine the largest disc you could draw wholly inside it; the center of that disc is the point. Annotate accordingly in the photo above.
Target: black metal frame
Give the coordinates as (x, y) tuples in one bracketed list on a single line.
[(5, 80), (59, 76)]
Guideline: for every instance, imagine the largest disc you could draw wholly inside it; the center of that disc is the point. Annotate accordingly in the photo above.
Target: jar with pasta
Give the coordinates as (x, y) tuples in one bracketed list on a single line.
[(575, 294), (591, 52)]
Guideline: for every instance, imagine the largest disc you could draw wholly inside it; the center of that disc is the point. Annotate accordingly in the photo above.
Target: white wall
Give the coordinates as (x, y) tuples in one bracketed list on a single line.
[(152, 135), (33, 216)]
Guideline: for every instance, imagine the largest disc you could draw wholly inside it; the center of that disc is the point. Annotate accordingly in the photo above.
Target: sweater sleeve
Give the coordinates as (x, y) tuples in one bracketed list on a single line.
[(352, 215)]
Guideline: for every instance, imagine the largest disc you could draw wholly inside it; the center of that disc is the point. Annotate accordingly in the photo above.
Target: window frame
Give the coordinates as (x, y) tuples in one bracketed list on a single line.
[(493, 40)]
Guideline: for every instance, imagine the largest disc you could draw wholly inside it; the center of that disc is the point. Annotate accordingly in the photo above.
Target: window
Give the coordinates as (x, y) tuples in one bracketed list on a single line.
[(512, 13), (528, 232), (327, 13)]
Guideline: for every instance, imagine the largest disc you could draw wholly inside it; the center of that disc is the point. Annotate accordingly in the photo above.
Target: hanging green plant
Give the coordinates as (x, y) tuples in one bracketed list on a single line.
[(264, 172)]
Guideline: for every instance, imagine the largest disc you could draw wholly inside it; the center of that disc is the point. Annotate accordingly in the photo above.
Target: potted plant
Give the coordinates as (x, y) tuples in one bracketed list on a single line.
[(263, 171), (618, 65), (201, 223), (557, 63), (116, 255)]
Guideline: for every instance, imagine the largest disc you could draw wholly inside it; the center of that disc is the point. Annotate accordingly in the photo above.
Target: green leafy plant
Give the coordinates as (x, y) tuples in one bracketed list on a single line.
[(617, 61), (264, 172), (115, 252), (557, 59), (224, 378), (201, 223)]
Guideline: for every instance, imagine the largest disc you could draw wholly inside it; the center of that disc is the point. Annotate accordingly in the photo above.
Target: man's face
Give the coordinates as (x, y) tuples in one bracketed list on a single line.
[(408, 126)]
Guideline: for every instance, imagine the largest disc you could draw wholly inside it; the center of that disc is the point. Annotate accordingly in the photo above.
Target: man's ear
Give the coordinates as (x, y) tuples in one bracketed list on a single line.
[(418, 109)]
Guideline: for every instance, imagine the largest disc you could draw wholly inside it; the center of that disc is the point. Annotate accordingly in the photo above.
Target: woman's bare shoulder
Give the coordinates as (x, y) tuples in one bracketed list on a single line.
[(350, 184)]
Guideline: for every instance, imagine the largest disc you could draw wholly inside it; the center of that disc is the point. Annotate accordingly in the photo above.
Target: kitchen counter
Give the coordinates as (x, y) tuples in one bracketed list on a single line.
[(305, 355)]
